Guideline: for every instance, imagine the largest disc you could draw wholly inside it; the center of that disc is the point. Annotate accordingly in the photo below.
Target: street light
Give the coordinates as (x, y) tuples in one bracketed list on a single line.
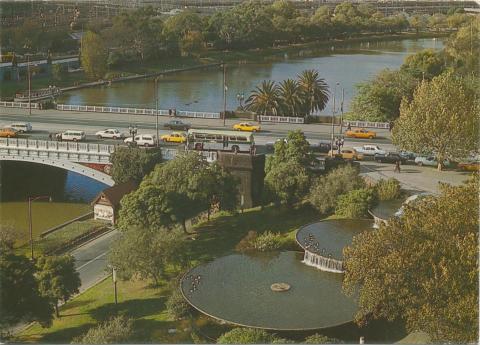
[(240, 98), (30, 200), (333, 116), (133, 132), (156, 109)]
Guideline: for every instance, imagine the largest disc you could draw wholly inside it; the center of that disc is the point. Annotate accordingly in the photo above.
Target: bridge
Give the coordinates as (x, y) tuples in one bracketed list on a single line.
[(91, 160)]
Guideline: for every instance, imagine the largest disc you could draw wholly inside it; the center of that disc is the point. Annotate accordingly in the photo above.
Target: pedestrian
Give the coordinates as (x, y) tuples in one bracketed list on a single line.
[(349, 126), (50, 136), (397, 167)]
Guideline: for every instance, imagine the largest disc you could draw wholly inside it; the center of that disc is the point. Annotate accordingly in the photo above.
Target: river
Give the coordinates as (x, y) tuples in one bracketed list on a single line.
[(201, 90)]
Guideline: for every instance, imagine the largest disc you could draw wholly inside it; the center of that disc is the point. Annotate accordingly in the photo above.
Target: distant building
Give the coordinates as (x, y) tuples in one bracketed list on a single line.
[(107, 202)]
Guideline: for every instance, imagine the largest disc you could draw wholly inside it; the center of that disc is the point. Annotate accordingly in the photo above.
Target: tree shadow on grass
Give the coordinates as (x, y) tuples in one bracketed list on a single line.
[(156, 331), (135, 308), (64, 309), (65, 335)]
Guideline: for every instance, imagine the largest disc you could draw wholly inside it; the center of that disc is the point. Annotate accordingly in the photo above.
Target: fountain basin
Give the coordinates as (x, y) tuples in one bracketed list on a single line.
[(237, 289)]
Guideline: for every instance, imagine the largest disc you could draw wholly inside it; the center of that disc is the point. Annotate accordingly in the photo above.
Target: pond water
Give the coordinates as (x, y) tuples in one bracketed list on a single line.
[(201, 90)]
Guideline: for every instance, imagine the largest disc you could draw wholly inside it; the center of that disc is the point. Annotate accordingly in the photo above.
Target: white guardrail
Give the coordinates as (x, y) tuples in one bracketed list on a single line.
[(281, 119), (367, 124), (136, 111), (23, 105)]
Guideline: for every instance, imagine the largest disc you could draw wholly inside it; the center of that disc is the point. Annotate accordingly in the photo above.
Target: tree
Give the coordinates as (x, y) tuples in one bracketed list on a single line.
[(463, 49), (192, 43), (355, 203), (184, 32), (249, 336), (380, 98), (315, 91), (321, 339), (423, 65), (290, 97), (294, 148), (388, 189), (57, 278), (58, 72), (288, 181), (20, 299), (422, 266), (145, 253), (117, 330), (93, 55), (265, 99), (325, 192), (176, 305), (442, 118), (8, 237), (133, 163), (418, 22)]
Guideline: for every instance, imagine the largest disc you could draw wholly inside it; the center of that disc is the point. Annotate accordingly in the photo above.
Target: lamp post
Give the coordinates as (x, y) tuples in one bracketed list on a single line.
[(224, 93), (133, 132), (240, 98), (29, 86), (341, 109), (114, 278), (333, 116), (30, 227), (156, 110)]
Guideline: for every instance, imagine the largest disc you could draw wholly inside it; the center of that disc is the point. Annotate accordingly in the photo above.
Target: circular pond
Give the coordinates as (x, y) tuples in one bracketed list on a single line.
[(329, 237), (237, 289), (387, 209)]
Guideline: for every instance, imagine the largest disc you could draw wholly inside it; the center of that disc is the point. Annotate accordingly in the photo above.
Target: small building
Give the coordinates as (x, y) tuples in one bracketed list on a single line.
[(107, 202)]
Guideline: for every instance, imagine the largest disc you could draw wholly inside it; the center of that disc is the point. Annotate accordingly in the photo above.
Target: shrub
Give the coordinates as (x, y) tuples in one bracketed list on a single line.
[(321, 339), (246, 243), (176, 305), (264, 242), (116, 330), (324, 194), (355, 204), (250, 336), (388, 189)]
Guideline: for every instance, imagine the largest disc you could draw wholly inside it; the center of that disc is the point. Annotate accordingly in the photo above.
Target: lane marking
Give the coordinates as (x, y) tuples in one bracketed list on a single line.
[(89, 262)]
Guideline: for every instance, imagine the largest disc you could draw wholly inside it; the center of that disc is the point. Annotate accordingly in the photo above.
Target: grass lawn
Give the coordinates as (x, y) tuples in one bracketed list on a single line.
[(147, 304)]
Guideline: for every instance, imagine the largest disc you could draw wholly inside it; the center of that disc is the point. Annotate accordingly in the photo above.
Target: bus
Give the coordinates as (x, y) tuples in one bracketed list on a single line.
[(218, 140)]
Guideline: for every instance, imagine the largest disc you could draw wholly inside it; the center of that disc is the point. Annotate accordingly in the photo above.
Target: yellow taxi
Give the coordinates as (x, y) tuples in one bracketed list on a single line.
[(246, 126), (174, 137), (347, 153), (361, 133), (469, 166), (8, 132)]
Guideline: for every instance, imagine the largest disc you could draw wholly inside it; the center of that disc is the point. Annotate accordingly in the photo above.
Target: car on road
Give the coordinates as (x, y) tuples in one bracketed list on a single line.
[(246, 127), (110, 133), (22, 127), (407, 155), (369, 150), (361, 133), (347, 153), (177, 125), (145, 140), (469, 166), (322, 147), (175, 137), (8, 132), (71, 135), (430, 161), (389, 157)]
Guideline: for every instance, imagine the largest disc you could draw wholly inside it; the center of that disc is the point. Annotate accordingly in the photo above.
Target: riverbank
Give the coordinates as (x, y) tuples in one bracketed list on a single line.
[(210, 58)]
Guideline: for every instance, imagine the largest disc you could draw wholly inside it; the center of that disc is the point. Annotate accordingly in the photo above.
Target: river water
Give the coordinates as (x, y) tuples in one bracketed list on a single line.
[(201, 90)]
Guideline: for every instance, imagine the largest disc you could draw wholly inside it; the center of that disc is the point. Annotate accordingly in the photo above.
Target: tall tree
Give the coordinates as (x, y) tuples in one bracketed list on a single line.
[(93, 55), (264, 99), (290, 97), (443, 119), (315, 91), (57, 278), (133, 163), (422, 267), (423, 65), (288, 181)]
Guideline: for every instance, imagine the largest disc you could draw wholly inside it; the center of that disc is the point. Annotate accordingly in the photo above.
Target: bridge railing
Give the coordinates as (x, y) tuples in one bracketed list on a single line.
[(281, 119), (23, 105), (137, 111), (367, 124), (57, 146)]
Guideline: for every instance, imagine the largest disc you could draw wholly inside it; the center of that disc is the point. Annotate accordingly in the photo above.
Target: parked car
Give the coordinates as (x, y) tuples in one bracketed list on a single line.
[(430, 161), (369, 150), (246, 126), (174, 137), (407, 155), (71, 135), (177, 125), (110, 133), (8, 132), (389, 157), (469, 166), (361, 133), (22, 127), (145, 140), (347, 153), (322, 147)]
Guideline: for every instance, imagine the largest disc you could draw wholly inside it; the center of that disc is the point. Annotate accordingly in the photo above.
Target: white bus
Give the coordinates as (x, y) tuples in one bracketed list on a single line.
[(218, 140)]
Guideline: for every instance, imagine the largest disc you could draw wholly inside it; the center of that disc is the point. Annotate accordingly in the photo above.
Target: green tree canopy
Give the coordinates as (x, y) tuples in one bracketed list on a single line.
[(422, 267), (265, 99), (133, 163), (93, 55), (423, 65), (315, 91), (288, 181), (443, 119), (57, 278)]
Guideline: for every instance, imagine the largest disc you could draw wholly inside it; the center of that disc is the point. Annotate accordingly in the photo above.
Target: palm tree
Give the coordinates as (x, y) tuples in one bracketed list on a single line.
[(264, 99), (290, 97), (315, 91)]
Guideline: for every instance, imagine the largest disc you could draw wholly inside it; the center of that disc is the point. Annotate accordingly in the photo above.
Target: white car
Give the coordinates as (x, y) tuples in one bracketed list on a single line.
[(370, 150), (71, 135), (142, 140), (22, 127), (110, 133), (430, 161)]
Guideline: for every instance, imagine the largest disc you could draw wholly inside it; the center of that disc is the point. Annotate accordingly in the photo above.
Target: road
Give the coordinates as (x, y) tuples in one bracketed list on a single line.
[(46, 121), (91, 259)]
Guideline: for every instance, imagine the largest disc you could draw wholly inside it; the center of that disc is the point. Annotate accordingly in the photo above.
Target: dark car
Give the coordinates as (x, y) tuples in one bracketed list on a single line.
[(177, 125), (322, 147), (389, 157), (409, 156)]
